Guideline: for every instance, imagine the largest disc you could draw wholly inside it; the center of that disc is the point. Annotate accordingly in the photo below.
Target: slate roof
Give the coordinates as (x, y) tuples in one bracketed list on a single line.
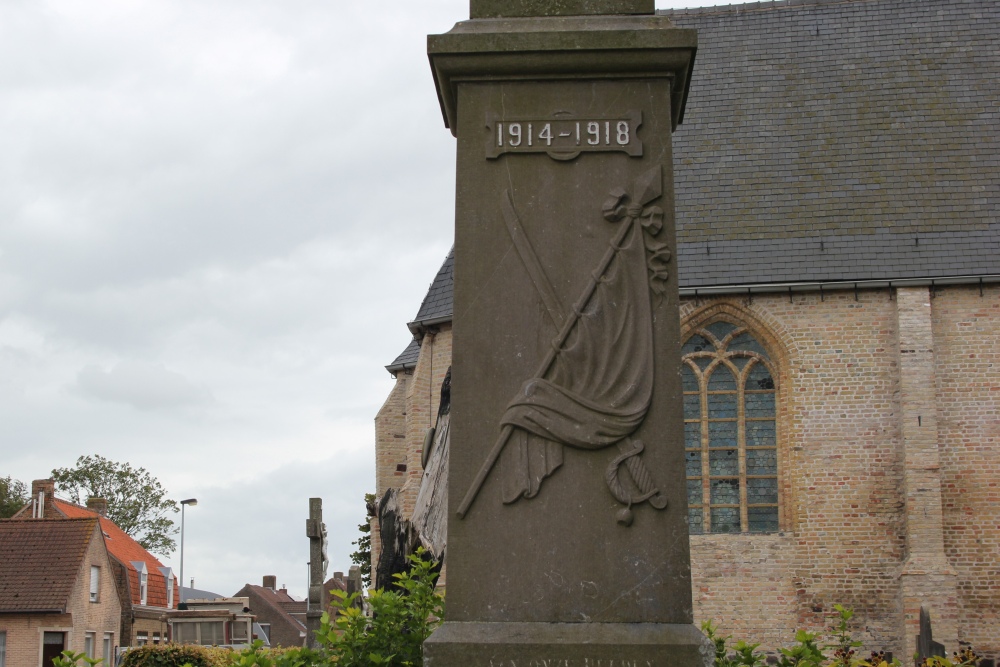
[(868, 125), (126, 550), (437, 303), (40, 560), (834, 140), (408, 357), (436, 307)]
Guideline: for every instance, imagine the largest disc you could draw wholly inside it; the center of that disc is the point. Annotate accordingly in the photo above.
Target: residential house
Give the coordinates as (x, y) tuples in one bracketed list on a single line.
[(837, 180), (146, 586), (57, 591), (281, 618), (218, 622)]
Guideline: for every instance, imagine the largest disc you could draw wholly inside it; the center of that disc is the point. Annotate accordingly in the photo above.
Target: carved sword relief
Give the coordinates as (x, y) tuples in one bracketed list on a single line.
[(594, 386)]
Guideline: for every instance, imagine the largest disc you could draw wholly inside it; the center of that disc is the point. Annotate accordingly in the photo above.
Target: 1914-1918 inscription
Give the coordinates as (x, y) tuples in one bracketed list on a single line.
[(564, 136), (578, 662)]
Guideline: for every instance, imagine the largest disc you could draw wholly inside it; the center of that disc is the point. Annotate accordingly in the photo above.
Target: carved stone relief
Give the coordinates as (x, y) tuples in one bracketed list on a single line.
[(594, 386)]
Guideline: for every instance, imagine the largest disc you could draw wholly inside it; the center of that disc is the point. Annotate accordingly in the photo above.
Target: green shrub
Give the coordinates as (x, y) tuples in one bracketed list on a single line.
[(399, 623), (806, 652), (176, 655)]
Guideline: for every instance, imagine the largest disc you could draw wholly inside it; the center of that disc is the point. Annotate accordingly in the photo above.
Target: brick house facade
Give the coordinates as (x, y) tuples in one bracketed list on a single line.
[(280, 616), (837, 186), (57, 591), (146, 588)]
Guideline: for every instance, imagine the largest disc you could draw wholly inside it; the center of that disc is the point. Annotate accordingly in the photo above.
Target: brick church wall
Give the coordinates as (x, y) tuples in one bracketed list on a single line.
[(841, 456), (423, 397), (967, 356), (402, 422), (839, 474)]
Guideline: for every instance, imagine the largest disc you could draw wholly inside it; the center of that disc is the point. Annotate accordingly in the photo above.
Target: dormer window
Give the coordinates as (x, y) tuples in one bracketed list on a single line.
[(143, 572), (168, 579)]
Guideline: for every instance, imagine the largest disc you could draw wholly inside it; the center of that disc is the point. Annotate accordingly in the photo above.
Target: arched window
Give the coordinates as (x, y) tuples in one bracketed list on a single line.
[(729, 432)]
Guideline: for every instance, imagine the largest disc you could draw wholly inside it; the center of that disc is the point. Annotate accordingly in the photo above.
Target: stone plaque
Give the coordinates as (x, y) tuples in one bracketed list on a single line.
[(567, 537)]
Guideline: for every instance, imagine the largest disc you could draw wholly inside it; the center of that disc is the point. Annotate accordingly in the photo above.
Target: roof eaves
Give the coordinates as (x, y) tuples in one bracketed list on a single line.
[(420, 327), (809, 286)]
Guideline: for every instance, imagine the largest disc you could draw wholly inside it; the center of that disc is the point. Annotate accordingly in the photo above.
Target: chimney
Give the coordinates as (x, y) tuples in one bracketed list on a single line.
[(270, 581), (99, 505), (42, 493)]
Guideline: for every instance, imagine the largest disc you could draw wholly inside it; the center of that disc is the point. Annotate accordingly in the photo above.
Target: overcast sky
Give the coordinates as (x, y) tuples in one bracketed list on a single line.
[(216, 217)]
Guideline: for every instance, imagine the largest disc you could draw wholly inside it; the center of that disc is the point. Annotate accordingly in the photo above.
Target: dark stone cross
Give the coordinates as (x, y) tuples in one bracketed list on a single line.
[(926, 646), (318, 563), (567, 531)]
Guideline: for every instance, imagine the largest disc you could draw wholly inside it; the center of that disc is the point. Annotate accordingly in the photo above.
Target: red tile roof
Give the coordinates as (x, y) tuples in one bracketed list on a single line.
[(40, 560), (126, 550)]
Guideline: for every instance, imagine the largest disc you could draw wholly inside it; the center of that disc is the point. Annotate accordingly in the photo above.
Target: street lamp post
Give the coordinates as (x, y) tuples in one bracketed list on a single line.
[(184, 504)]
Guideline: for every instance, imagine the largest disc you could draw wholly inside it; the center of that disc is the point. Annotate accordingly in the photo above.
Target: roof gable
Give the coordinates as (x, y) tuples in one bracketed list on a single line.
[(123, 548), (40, 560), (278, 602)]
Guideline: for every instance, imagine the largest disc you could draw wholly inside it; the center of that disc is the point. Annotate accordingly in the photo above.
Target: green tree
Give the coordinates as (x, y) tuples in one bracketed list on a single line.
[(363, 556), (137, 502), (13, 496)]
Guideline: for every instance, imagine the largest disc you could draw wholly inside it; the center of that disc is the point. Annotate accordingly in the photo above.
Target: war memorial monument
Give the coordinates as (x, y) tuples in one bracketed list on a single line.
[(567, 541)]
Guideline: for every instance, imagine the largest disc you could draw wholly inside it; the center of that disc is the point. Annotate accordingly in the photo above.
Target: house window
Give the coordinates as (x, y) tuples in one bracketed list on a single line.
[(266, 629), (211, 633), (156, 637), (95, 582), (89, 641), (730, 436), (143, 587), (109, 642), (141, 638), (186, 633), (206, 633), (238, 629)]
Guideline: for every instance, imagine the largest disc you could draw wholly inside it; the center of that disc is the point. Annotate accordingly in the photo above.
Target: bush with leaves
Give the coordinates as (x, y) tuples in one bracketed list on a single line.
[(176, 655), (71, 659), (13, 496), (400, 621), (964, 658), (363, 556), (257, 655), (806, 652), (743, 655)]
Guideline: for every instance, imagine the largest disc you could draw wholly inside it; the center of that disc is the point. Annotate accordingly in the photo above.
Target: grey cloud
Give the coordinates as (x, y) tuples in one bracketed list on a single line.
[(245, 195), (145, 386)]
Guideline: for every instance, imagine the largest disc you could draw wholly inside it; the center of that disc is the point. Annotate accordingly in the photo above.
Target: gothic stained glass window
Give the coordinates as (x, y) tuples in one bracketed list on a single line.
[(730, 434)]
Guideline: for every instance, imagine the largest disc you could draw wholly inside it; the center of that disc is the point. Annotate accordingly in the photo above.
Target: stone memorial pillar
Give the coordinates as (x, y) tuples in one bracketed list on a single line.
[(567, 534)]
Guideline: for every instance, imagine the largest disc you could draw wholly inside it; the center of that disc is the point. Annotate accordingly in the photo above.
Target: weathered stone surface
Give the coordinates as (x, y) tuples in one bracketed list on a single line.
[(567, 534), (541, 49), (490, 9), (567, 645)]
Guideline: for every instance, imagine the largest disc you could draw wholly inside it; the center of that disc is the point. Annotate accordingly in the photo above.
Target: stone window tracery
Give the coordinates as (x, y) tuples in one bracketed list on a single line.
[(730, 435)]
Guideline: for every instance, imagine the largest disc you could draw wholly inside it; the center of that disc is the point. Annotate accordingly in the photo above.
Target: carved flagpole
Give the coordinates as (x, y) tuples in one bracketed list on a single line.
[(651, 189)]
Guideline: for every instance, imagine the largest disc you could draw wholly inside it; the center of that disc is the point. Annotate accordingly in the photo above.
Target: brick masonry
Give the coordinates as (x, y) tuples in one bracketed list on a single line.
[(25, 631), (402, 422), (889, 462)]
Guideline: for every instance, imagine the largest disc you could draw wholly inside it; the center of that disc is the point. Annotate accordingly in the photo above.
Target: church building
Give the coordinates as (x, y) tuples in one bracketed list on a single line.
[(837, 178)]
